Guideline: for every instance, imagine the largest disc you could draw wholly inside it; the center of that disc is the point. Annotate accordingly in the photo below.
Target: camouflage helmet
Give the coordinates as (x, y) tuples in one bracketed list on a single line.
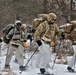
[(23, 27), (18, 22), (51, 16)]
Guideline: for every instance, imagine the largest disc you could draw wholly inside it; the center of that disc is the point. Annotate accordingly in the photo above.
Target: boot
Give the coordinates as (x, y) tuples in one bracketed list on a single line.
[(22, 68), (42, 70), (7, 66), (70, 69)]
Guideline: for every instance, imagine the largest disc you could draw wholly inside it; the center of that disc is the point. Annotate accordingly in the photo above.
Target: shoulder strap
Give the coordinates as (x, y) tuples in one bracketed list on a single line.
[(47, 27)]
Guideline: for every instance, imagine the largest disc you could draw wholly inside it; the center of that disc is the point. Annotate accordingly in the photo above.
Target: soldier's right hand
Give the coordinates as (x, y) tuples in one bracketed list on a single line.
[(39, 42)]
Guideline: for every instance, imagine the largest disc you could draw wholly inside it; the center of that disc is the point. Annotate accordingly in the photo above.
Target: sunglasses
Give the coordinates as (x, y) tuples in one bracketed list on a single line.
[(54, 19)]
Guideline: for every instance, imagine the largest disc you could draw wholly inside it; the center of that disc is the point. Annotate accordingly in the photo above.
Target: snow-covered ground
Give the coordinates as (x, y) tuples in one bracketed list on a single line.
[(59, 69)]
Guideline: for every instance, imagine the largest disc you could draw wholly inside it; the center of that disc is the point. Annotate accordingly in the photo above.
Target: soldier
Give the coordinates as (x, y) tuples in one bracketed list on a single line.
[(23, 39), (45, 38), (72, 34), (15, 45)]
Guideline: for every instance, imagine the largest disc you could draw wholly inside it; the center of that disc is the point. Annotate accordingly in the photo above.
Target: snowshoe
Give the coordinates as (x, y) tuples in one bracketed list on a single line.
[(70, 69)]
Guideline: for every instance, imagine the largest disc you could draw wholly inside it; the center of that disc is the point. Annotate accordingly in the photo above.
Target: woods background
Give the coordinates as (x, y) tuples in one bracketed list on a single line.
[(27, 10)]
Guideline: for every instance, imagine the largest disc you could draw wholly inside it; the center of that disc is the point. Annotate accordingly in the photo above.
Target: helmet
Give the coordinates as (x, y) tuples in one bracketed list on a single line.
[(51, 16), (18, 22), (23, 27)]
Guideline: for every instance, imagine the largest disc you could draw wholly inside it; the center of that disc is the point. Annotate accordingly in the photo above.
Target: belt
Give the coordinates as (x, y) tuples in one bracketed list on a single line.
[(15, 45)]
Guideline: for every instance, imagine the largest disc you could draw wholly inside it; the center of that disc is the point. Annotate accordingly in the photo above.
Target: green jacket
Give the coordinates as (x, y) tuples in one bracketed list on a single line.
[(48, 31)]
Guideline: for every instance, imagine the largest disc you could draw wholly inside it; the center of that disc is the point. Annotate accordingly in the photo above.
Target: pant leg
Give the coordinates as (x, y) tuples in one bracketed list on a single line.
[(74, 47), (45, 56), (9, 54), (23, 52), (73, 60), (4, 48), (19, 55)]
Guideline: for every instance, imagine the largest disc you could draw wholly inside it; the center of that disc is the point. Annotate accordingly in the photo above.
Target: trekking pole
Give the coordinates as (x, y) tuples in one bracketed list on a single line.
[(54, 62), (55, 58), (31, 57), (7, 54), (74, 60)]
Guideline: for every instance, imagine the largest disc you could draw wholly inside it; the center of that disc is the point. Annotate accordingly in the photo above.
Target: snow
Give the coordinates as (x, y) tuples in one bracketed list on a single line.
[(58, 69)]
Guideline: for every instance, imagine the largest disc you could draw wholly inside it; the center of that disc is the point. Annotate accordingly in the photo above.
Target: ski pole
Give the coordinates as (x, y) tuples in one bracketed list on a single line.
[(54, 61), (31, 57), (7, 54)]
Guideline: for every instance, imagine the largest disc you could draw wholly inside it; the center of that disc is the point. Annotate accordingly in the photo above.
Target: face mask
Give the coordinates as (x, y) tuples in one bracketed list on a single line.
[(18, 28)]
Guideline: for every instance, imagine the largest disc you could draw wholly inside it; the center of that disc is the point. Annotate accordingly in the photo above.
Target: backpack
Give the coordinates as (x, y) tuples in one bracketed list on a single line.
[(5, 32), (38, 20), (70, 31)]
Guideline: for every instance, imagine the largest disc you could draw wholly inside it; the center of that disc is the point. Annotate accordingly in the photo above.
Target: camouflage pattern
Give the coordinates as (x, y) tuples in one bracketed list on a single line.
[(38, 20), (5, 32), (43, 15), (51, 16), (70, 31), (47, 30), (18, 37), (24, 32), (15, 45)]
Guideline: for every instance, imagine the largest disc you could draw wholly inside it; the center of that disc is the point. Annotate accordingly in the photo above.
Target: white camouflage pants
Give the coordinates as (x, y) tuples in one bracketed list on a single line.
[(73, 60), (4, 48), (44, 56), (18, 54)]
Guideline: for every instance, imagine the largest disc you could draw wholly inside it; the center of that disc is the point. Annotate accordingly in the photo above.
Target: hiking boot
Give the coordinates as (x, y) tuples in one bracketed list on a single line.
[(42, 70), (70, 69), (22, 68), (7, 67)]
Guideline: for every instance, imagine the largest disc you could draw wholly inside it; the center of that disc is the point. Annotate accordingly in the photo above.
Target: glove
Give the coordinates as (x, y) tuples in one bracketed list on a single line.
[(63, 35), (29, 37), (0, 40), (39, 43)]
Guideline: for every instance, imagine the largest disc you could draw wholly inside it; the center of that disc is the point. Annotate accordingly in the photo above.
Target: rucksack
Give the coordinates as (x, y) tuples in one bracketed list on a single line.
[(38, 20), (5, 32), (70, 31)]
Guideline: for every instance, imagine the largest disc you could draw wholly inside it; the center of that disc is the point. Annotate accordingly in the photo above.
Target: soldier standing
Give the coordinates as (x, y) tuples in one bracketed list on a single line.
[(45, 38), (73, 39), (15, 45)]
